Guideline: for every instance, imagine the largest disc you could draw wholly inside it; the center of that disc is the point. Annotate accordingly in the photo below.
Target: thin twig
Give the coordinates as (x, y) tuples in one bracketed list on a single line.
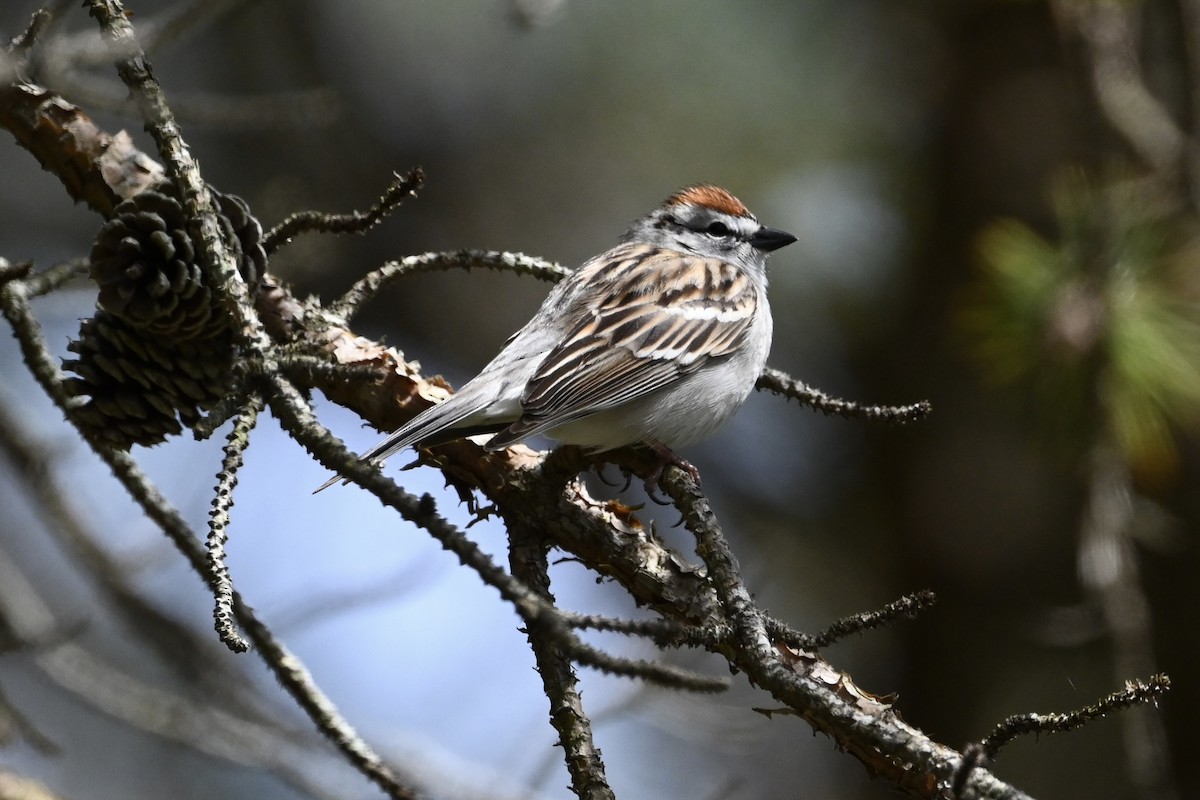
[(777, 382), (55, 277), (14, 272), (527, 559), (974, 757), (1107, 28), (307, 370), (23, 42), (218, 523), (1135, 693), (224, 410), (666, 675), (747, 622), (907, 606), (783, 633), (347, 305), (134, 69), (359, 222), (663, 632), (298, 420), (657, 630)]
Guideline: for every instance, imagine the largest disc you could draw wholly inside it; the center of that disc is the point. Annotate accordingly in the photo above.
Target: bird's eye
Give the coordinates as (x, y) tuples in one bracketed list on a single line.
[(717, 229)]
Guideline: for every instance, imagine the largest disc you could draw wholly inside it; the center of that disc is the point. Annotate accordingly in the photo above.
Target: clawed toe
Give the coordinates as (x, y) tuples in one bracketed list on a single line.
[(654, 491), (667, 458), (628, 478)]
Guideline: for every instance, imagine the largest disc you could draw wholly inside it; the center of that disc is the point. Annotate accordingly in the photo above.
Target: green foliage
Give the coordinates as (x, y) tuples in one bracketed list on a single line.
[(1096, 323)]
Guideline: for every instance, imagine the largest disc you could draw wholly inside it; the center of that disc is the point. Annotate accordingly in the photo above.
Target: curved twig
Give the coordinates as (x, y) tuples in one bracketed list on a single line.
[(366, 287), (398, 190), (218, 524), (1135, 693), (778, 382)]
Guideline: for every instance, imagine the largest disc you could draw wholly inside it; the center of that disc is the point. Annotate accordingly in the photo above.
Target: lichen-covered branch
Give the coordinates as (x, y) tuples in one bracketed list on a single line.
[(527, 559), (218, 523)]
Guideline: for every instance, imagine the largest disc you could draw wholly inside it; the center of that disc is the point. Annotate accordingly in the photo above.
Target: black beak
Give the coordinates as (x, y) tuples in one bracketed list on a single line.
[(768, 239)]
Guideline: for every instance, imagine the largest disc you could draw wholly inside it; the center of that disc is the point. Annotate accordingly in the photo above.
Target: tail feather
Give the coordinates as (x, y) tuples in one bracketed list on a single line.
[(434, 425), (440, 422), (463, 414)]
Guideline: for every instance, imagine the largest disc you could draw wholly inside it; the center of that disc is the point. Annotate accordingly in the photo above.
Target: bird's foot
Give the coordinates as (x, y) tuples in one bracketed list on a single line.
[(667, 458)]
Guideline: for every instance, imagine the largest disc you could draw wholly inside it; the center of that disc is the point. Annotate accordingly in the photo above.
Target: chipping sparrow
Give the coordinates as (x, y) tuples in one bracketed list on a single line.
[(657, 341)]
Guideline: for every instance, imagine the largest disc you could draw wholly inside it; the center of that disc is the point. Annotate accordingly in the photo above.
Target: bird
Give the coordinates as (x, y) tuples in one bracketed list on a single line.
[(655, 342)]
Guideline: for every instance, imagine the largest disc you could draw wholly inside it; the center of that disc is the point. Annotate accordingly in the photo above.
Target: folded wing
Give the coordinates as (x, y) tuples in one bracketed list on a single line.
[(663, 315)]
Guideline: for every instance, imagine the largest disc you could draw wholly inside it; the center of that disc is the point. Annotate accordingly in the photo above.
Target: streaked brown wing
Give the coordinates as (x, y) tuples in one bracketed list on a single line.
[(664, 315)]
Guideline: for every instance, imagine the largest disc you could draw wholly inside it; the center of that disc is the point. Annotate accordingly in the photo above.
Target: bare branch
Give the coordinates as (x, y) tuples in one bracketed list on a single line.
[(14, 272), (777, 382), (94, 167), (663, 632), (347, 305), (908, 606), (665, 675), (21, 44), (1108, 29), (55, 277), (218, 524), (298, 419), (1135, 693), (359, 222), (859, 722), (308, 371), (213, 722), (527, 559), (135, 71)]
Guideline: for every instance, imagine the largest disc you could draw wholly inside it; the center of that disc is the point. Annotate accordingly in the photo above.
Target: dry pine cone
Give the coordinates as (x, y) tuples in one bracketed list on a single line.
[(159, 350), (146, 263), (140, 389)]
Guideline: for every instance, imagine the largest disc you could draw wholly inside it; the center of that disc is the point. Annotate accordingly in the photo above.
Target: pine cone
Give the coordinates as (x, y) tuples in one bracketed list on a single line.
[(158, 351), (146, 263), (141, 389)]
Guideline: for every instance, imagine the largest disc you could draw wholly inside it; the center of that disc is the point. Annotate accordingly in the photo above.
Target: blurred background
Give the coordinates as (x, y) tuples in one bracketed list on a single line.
[(995, 204)]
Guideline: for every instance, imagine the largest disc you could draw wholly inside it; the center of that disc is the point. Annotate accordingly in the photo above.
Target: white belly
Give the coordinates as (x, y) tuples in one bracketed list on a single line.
[(684, 412)]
